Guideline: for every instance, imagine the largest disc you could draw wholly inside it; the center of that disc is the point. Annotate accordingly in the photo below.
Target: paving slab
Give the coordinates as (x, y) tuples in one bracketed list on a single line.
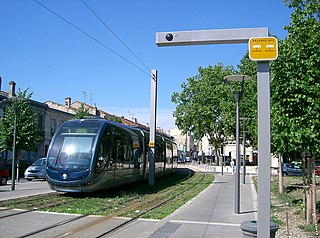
[(210, 214)]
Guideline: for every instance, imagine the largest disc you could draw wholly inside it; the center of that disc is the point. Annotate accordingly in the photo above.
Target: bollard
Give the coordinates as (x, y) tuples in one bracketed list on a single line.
[(250, 228)]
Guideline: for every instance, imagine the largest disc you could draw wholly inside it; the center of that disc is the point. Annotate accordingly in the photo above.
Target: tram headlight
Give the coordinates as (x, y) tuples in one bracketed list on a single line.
[(64, 176)]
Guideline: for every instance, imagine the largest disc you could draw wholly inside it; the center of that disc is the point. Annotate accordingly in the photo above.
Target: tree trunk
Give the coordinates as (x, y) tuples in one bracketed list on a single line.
[(309, 192), (309, 206), (18, 166), (314, 191), (280, 175), (216, 156)]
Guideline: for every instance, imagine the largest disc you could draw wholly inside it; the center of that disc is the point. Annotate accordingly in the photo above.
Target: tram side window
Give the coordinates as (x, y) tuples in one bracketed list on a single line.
[(137, 157), (123, 150), (169, 153), (104, 158), (159, 150), (175, 153), (147, 148)]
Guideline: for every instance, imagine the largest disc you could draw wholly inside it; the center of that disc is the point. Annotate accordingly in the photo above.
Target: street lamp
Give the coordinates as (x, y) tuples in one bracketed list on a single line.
[(14, 149), (237, 95)]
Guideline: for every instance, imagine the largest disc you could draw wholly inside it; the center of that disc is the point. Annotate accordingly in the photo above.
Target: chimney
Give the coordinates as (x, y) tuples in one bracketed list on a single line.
[(95, 110), (67, 102), (0, 83), (12, 89)]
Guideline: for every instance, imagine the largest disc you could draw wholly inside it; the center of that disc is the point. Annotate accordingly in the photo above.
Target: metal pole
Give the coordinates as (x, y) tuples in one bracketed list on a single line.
[(244, 154), (153, 117), (185, 154), (13, 171), (237, 96), (222, 162), (264, 162)]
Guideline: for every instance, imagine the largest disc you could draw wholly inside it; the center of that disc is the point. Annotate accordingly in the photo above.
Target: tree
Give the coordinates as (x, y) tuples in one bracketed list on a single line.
[(295, 87), (249, 101), (203, 103), (113, 118), (27, 132), (206, 107), (81, 112), (295, 83)]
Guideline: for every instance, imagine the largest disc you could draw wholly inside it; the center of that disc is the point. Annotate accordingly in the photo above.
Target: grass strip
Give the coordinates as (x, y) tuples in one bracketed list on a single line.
[(114, 200)]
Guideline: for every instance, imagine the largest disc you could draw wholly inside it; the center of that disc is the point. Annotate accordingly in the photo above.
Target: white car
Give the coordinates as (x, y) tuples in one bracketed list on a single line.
[(36, 170)]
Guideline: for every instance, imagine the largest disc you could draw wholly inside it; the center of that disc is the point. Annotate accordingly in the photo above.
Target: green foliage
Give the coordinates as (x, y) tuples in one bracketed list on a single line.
[(81, 112), (201, 104), (205, 106), (27, 132), (295, 83), (249, 101), (114, 118)]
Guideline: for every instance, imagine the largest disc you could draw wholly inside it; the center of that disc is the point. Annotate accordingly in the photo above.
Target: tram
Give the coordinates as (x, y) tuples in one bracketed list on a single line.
[(87, 155)]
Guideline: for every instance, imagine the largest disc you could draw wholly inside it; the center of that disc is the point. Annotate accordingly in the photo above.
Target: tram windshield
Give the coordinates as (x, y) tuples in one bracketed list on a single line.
[(72, 147)]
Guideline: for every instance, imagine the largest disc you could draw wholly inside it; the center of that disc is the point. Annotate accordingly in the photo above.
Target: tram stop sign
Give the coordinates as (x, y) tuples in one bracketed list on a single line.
[(263, 48)]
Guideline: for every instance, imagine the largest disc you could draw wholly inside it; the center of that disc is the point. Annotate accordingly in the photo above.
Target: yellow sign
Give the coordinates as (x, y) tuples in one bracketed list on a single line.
[(151, 144), (263, 48)]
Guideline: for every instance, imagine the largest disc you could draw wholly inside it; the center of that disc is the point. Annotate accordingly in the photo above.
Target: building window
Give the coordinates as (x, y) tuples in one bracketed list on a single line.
[(40, 122), (53, 126)]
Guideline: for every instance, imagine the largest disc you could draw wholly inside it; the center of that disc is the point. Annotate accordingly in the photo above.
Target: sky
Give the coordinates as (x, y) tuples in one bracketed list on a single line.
[(102, 51)]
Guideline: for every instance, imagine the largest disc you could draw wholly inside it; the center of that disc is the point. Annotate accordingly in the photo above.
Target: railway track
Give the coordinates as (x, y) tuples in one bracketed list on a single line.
[(70, 227)]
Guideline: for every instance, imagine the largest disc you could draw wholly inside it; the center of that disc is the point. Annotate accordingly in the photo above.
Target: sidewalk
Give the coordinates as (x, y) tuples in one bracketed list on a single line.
[(24, 188), (210, 214)]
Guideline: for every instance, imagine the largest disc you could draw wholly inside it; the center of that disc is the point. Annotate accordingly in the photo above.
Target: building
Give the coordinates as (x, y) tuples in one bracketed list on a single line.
[(50, 116), (203, 146), (49, 119), (71, 107)]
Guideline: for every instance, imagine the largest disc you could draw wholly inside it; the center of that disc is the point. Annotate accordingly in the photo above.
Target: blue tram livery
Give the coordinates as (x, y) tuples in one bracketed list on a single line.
[(87, 155)]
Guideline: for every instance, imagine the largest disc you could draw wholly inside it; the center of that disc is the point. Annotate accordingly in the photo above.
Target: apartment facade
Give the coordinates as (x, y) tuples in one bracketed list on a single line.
[(203, 147), (48, 119), (50, 115)]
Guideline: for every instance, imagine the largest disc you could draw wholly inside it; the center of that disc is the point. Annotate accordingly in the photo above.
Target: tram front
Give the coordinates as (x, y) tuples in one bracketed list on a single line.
[(70, 155)]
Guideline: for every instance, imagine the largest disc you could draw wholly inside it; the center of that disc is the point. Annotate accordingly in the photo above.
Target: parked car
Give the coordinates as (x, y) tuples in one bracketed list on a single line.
[(36, 170), (292, 169), (317, 167), (4, 174)]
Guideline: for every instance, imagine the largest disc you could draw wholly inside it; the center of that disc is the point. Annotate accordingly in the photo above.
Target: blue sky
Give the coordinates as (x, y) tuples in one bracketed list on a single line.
[(40, 51)]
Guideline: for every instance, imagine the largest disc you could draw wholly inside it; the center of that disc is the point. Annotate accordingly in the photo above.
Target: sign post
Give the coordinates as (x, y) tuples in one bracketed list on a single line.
[(261, 49), (153, 117)]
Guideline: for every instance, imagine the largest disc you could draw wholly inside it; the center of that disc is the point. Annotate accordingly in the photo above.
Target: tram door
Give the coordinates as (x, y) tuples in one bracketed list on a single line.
[(105, 162), (127, 154)]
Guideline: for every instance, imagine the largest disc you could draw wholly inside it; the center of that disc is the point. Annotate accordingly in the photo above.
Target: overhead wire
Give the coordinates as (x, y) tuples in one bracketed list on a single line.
[(100, 19), (92, 38)]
